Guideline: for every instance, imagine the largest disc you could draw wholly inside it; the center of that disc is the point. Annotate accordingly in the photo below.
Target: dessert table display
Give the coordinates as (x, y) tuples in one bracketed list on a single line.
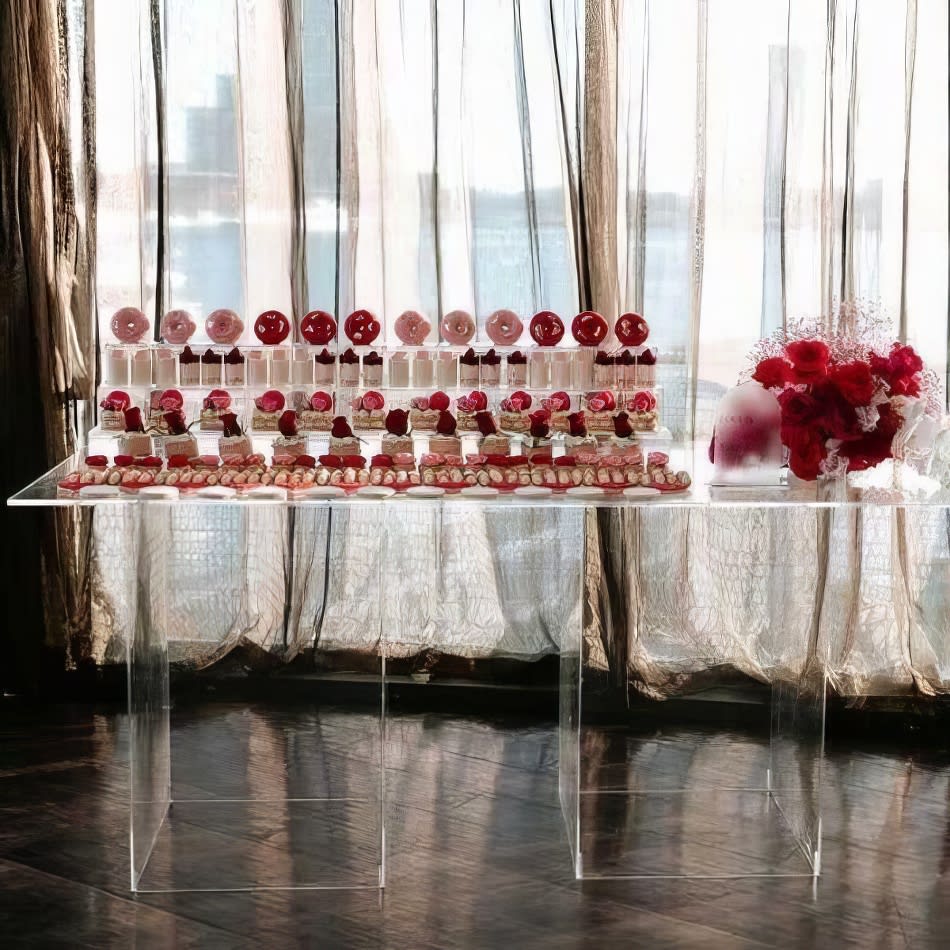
[(396, 558)]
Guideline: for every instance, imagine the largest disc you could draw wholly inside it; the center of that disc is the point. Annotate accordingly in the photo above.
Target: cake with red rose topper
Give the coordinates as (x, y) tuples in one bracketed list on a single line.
[(372, 369), (492, 442), (342, 440), (349, 368), (559, 405), (368, 411), (179, 440), (538, 440), (267, 409), (234, 364), (324, 366), (161, 401), (317, 414), (134, 441), (578, 439), (291, 442), (445, 441), (233, 441), (468, 368), (397, 440)]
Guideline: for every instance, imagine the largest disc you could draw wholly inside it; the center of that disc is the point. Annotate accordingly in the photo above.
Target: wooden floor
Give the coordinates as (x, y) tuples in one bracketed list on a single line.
[(477, 854)]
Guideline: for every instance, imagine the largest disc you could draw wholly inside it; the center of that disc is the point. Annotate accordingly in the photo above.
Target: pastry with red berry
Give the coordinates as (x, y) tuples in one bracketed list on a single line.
[(213, 405), (113, 408), (368, 411), (317, 414), (600, 407), (267, 410), (466, 408), (642, 410), (514, 412), (424, 412)]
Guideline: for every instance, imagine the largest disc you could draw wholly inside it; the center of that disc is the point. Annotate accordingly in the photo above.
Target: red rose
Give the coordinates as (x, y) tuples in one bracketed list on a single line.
[(578, 424), (287, 424), (539, 423), (446, 423), (622, 427), (854, 381), (899, 369), (806, 451), (809, 359), (773, 373), (797, 407), (397, 421), (230, 424), (835, 417), (874, 446), (485, 423), (175, 421)]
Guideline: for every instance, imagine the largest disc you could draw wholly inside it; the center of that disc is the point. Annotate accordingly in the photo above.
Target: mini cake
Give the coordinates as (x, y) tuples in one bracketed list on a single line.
[(349, 368), (601, 406), (492, 442), (113, 408), (559, 405), (323, 364), (290, 443), (642, 409), (134, 441), (368, 411), (490, 364), (211, 364), (317, 416), (188, 367), (396, 441), (517, 370), (160, 402), (445, 442), (233, 441), (626, 368), (342, 440), (267, 410), (372, 369), (399, 370), (467, 406), (216, 402), (646, 368), (468, 368), (234, 368), (538, 442), (179, 440), (514, 412), (424, 414), (604, 366)]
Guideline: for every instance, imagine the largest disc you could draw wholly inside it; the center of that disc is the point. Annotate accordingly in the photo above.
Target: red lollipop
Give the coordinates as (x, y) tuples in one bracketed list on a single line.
[(361, 327), (546, 328), (318, 327), (589, 328), (632, 329), (271, 327)]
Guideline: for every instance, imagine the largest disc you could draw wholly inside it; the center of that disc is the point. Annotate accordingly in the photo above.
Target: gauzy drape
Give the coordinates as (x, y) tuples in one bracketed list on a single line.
[(722, 167)]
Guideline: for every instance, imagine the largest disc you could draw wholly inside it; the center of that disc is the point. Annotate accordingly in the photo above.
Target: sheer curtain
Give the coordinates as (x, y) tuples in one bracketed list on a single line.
[(720, 166)]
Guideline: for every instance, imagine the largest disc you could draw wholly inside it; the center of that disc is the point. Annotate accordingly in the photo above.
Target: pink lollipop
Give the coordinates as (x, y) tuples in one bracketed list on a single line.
[(177, 327), (129, 325), (504, 327), (457, 327), (412, 328), (223, 326)]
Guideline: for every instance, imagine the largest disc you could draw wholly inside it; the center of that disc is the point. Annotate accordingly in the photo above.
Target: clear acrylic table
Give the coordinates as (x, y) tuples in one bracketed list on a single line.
[(623, 806)]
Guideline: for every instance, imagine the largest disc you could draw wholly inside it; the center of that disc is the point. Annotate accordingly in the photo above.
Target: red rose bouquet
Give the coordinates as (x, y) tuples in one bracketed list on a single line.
[(843, 397)]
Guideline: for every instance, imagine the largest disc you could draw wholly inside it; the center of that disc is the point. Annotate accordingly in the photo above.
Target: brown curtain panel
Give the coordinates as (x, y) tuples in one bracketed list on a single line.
[(47, 341)]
